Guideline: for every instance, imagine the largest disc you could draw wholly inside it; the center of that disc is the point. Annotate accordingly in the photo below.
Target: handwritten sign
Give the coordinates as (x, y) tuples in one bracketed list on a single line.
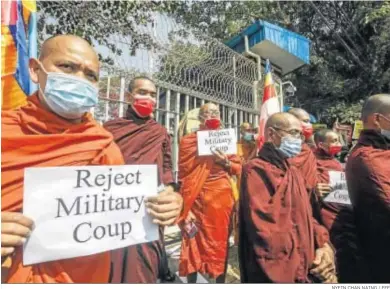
[(80, 211), (358, 127), (339, 194), (225, 140)]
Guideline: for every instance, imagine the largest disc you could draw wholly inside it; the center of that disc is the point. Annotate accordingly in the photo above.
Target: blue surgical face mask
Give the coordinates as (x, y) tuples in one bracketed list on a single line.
[(385, 133), (290, 147), (69, 96), (248, 136)]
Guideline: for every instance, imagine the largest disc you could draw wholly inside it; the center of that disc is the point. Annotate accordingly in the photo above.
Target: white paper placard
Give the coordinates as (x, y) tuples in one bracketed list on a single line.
[(225, 140), (339, 194), (81, 211)]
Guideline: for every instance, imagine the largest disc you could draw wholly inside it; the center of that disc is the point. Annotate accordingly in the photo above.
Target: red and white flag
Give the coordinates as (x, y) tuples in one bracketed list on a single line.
[(269, 105)]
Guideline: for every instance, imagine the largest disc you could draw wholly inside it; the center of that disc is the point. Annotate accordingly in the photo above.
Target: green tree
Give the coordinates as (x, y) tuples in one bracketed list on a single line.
[(98, 21), (350, 53)]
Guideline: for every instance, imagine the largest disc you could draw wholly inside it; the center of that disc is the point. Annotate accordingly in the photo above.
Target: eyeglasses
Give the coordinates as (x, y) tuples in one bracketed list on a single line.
[(294, 133), (211, 113), (381, 115)]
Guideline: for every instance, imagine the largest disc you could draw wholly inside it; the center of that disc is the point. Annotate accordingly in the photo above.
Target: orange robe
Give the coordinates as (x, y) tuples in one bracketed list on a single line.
[(207, 192), (33, 137), (246, 150)]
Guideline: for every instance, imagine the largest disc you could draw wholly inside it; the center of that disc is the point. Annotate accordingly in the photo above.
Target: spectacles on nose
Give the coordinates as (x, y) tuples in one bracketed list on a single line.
[(382, 116), (294, 133), (211, 113)]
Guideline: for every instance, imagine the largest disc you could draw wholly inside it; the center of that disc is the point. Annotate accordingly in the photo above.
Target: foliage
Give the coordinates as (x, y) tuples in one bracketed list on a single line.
[(337, 76), (97, 21), (341, 73)]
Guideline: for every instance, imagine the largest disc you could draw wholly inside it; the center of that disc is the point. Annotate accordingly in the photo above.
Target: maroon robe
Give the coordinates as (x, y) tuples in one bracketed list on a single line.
[(368, 178), (278, 234), (339, 220), (306, 163), (142, 141)]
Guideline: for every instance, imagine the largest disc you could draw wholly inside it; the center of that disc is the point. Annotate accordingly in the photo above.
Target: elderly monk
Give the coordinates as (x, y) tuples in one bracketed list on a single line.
[(144, 141), (208, 203), (53, 129), (280, 241), (368, 178), (337, 218)]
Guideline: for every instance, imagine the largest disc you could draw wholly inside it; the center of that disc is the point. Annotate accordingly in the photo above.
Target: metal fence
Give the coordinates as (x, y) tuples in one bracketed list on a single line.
[(189, 70)]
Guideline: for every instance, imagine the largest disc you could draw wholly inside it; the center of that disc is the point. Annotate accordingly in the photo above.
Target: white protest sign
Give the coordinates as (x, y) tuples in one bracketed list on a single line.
[(225, 140), (80, 211), (339, 194)]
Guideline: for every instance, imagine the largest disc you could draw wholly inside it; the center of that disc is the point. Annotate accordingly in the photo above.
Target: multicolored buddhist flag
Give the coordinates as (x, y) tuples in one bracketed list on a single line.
[(18, 44), (270, 103)]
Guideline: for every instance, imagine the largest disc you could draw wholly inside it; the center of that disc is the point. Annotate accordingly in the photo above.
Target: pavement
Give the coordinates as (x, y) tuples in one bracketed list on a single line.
[(173, 245)]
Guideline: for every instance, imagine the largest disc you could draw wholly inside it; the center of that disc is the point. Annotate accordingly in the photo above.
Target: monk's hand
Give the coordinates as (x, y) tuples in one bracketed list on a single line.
[(323, 266), (166, 207), (220, 157), (323, 189), (190, 218), (15, 228)]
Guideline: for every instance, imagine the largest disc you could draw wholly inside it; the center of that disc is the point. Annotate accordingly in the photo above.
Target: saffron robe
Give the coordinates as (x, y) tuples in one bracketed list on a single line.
[(368, 178), (34, 137), (207, 193), (278, 234), (142, 141)]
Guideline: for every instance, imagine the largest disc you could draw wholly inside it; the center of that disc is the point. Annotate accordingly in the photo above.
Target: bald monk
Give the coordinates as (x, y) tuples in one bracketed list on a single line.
[(368, 178), (208, 203), (144, 141), (305, 161), (53, 129), (246, 147), (280, 241)]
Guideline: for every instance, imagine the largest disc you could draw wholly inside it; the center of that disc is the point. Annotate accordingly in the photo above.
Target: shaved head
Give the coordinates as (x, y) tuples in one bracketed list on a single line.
[(325, 136), (300, 114), (68, 55), (207, 107), (379, 103), (281, 120), (65, 41)]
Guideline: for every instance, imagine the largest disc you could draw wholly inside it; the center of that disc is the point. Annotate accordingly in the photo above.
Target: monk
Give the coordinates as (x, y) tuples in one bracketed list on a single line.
[(305, 161), (53, 129), (280, 241), (337, 218), (246, 147), (208, 203), (368, 178), (144, 141), (328, 146)]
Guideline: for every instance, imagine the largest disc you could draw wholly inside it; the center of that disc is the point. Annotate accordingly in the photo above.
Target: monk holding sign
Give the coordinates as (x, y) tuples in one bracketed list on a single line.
[(368, 178), (337, 217), (144, 141), (53, 129), (280, 241), (207, 191)]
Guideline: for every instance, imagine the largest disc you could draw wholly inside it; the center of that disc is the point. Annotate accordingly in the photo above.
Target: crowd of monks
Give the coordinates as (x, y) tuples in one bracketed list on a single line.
[(271, 198)]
